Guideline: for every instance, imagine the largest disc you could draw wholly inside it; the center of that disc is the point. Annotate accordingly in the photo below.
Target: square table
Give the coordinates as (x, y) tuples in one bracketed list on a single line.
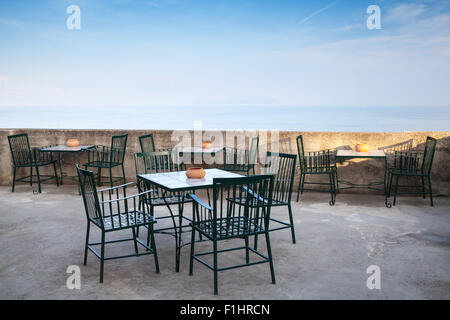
[(178, 182), (62, 148), (342, 155)]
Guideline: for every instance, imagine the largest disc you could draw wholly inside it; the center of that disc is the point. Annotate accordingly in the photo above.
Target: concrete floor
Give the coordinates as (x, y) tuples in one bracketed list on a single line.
[(41, 235)]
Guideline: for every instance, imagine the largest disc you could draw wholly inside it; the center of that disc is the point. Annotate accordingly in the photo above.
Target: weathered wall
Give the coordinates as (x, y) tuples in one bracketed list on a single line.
[(358, 171)]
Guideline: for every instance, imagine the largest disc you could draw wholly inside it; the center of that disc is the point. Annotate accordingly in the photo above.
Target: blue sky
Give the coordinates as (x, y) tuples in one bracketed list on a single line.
[(224, 52)]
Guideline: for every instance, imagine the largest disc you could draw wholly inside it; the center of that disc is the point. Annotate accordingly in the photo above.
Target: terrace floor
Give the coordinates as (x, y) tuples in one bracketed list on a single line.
[(41, 235)]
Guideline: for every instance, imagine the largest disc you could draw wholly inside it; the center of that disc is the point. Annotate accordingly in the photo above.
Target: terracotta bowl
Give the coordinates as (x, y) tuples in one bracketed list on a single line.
[(72, 143), (195, 173), (362, 147), (206, 145)]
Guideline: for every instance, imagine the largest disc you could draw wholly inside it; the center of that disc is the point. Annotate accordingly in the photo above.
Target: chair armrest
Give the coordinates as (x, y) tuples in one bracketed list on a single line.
[(116, 187), (119, 191), (126, 211), (254, 195), (126, 198), (198, 201)]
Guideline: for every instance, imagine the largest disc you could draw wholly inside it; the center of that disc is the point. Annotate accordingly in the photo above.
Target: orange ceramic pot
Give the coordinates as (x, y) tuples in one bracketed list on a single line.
[(206, 145), (72, 143), (362, 147), (195, 173)]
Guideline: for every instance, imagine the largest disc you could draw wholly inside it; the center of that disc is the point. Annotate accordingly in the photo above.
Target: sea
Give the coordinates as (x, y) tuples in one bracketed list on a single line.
[(353, 119)]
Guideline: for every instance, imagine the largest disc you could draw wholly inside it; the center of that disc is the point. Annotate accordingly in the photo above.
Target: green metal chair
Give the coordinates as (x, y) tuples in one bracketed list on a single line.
[(158, 162), (25, 157), (112, 210), (241, 161), (282, 166), (103, 157), (147, 143), (228, 219), (317, 163), (404, 146), (412, 164)]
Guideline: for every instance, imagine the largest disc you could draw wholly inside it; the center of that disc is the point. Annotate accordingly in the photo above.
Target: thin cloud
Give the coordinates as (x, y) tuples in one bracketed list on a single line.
[(331, 4), (349, 27), (405, 12), (10, 22)]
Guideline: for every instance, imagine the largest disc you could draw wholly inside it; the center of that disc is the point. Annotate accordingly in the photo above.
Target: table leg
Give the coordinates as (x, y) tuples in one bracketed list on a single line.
[(177, 229), (77, 161), (60, 167)]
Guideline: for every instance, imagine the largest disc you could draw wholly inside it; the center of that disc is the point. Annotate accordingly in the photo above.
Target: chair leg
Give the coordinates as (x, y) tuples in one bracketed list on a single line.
[(299, 186), (39, 179), (123, 174), (198, 215), (191, 257), (331, 178), (216, 290), (431, 192), (247, 255), (14, 179), (135, 241), (148, 230), (56, 174), (336, 180), (102, 257), (155, 253), (390, 178), (111, 177), (303, 183), (87, 242), (99, 177), (31, 175), (387, 189), (396, 189), (291, 220), (269, 254), (423, 187)]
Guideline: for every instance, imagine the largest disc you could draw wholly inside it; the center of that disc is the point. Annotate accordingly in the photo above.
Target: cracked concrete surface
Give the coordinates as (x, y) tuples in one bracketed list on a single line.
[(41, 235)]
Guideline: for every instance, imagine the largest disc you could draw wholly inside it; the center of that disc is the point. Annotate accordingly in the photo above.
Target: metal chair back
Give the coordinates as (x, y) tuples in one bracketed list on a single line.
[(158, 161), (20, 149), (90, 197), (118, 148), (282, 166), (301, 153), (241, 207), (428, 155), (241, 160), (253, 151), (147, 143)]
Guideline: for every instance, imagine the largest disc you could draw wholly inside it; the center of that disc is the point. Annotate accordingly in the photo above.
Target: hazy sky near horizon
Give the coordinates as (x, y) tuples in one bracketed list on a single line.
[(224, 52)]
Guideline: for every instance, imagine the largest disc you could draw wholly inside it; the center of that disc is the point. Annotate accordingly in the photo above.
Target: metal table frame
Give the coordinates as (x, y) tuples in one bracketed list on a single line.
[(178, 182), (60, 149), (343, 155)]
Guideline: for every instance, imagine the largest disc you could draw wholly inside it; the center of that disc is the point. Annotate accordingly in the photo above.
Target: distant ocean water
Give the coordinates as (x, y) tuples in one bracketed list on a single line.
[(369, 119)]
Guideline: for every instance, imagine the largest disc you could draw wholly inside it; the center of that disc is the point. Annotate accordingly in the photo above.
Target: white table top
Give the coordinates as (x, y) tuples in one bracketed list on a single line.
[(64, 148), (178, 181), (356, 154), (200, 149)]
